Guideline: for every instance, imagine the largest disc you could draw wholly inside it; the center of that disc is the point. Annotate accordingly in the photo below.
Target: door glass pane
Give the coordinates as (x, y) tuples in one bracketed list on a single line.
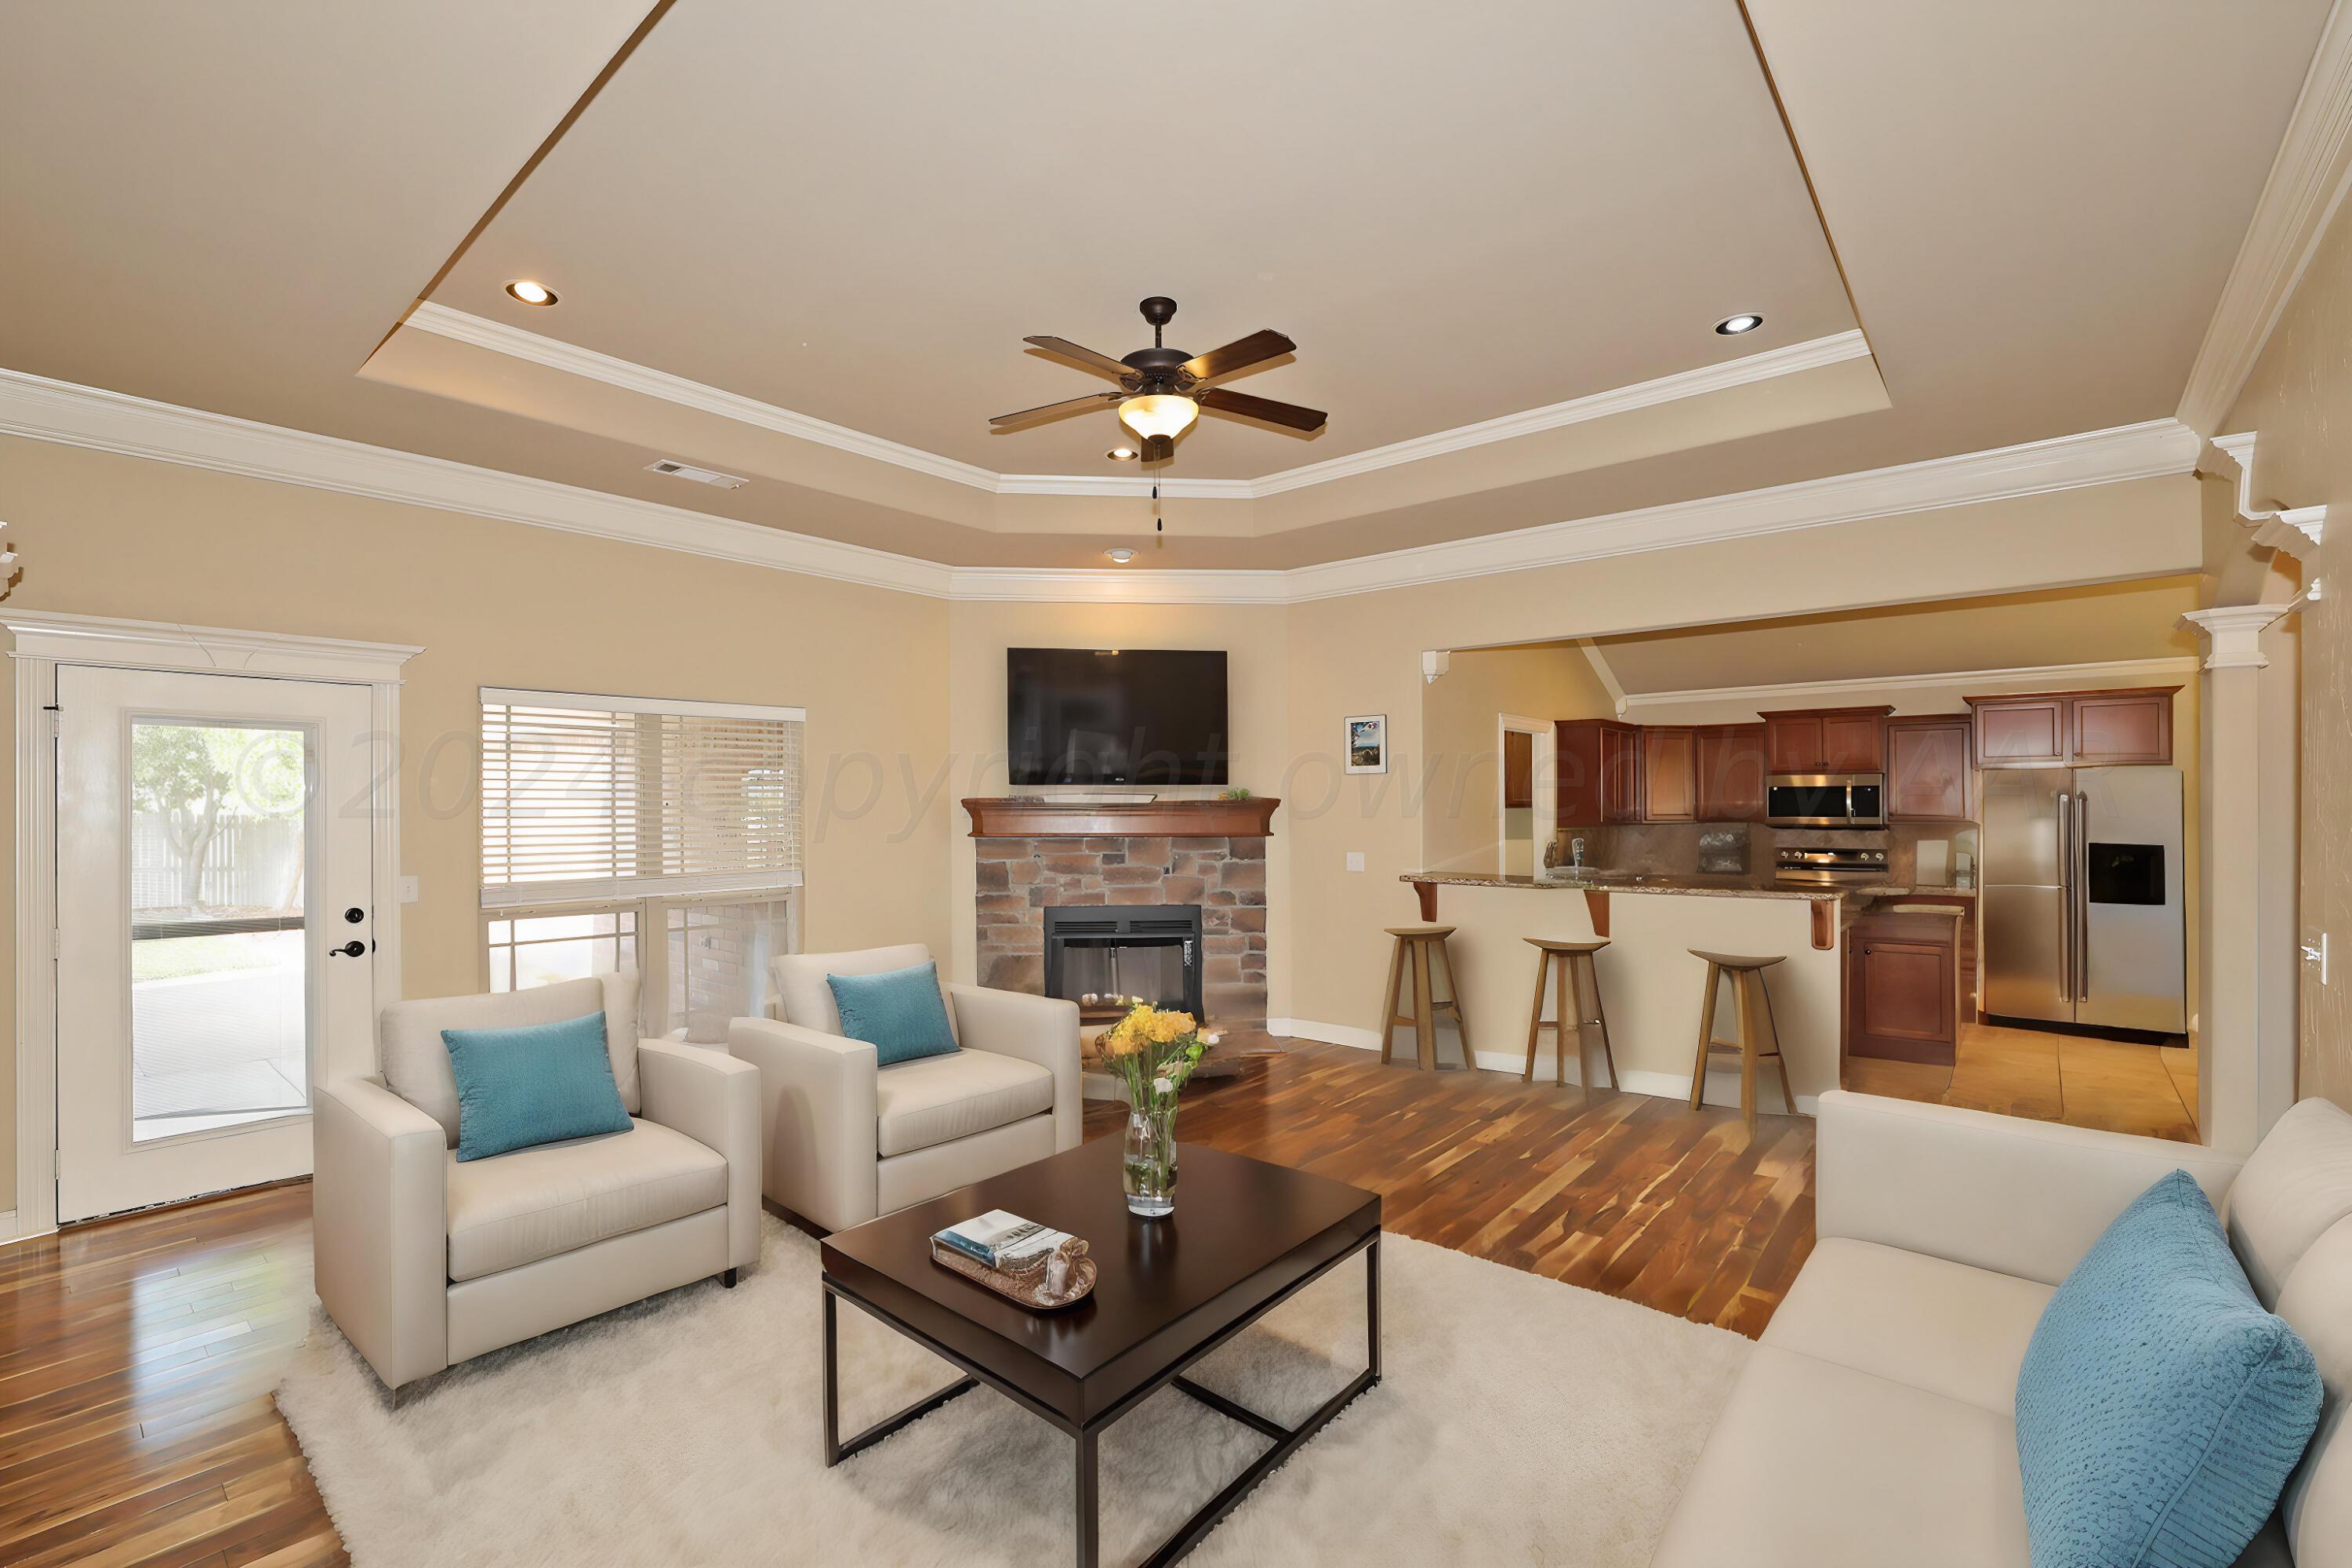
[(219, 971)]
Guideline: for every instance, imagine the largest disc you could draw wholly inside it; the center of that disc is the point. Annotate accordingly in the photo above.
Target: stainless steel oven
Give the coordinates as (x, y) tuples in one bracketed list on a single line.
[(1825, 800)]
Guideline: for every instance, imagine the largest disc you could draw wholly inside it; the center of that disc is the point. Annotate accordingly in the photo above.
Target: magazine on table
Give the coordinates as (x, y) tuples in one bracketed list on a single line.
[(1002, 1241)]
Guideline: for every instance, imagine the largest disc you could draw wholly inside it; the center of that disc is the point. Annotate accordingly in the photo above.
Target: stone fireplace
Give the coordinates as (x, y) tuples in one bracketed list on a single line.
[(1125, 893)]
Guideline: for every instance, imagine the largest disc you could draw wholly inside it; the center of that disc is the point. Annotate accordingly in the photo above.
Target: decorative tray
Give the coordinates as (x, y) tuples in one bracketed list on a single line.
[(1025, 1290)]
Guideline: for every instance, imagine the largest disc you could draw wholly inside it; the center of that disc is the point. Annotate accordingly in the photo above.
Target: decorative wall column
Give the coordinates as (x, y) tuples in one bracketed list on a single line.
[(2246, 921)]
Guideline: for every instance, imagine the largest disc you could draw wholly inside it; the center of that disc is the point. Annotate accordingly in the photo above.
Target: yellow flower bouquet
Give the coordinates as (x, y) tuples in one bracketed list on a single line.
[(1153, 1051)]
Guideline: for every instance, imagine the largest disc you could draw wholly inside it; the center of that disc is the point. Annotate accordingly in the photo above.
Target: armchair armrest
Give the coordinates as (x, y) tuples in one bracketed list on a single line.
[(379, 1221), (2022, 1197), (818, 1116), (714, 1099), (1041, 1029)]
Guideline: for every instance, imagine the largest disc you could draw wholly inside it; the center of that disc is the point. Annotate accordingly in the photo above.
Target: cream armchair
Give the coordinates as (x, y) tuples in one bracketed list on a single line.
[(424, 1262), (846, 1139)]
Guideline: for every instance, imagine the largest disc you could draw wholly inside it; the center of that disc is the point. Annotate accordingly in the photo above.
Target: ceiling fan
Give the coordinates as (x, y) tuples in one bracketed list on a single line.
[(1162, 390)]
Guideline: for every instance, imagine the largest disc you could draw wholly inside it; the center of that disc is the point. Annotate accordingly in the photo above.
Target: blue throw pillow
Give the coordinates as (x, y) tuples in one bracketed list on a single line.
[(2159, 1410), (900, 1013), (539, 1084)]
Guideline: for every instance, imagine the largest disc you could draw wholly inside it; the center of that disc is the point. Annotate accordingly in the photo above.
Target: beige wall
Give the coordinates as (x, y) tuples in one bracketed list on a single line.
[(500, 604), (1461, 760), (2299, 400), (1256, 684)]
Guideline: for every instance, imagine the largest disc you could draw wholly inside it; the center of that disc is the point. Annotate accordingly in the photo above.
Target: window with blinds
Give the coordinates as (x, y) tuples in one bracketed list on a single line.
[(598, 799)]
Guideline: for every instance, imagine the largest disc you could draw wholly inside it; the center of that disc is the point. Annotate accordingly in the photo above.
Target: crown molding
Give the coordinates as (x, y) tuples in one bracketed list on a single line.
[(1799, 693), (41, 409), (1602, 673), (2296, 531), (2153, 449), (630, 377), (102, 639), (44, 410), (1744, 371), (2307, 184), (499, 337)]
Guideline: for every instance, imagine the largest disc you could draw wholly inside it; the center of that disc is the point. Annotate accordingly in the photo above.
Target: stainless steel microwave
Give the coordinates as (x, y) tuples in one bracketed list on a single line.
[(1825, 800)]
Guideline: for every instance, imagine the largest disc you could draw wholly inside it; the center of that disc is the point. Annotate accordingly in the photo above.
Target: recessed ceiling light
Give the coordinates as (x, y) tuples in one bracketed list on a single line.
[(531, 292), (1122, 554), (1745, 321), (1121, 454)]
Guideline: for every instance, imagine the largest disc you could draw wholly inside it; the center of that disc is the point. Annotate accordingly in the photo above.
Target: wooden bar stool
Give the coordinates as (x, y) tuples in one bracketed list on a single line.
[(1758, 1038), (1415, 944), (1576, 995)]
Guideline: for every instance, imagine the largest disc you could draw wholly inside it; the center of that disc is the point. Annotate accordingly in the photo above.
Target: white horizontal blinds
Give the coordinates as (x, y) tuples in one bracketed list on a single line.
[(587, 798)]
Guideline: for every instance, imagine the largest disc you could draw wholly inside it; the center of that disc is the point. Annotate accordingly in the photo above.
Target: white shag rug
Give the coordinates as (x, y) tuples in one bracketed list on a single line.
[(1518, 1421)]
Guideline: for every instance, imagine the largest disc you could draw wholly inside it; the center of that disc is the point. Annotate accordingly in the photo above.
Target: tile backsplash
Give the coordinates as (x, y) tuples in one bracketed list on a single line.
[(1734, 849)]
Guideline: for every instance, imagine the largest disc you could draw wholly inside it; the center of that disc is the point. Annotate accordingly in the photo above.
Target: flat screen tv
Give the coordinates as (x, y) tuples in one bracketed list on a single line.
[(1096, 716)]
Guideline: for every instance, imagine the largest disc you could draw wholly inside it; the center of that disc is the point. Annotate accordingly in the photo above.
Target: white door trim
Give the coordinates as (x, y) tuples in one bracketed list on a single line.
[(44, 640)]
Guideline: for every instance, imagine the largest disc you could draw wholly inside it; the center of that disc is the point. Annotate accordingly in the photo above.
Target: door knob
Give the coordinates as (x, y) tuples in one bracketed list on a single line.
[(353, 949)]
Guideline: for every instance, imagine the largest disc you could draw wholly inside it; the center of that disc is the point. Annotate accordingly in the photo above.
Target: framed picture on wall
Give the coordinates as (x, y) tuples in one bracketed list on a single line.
[(1368, 744)]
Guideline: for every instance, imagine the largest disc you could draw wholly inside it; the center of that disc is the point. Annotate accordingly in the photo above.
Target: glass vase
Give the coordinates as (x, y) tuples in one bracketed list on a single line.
[(1150, 1163)]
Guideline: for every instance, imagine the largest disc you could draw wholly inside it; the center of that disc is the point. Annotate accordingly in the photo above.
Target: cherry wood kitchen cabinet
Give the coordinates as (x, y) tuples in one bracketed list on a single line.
[(1518, 770), (1597, 765), (1826, 739), (1903, 987), (2074, 729), (1669, 773), (1927, 772), (1731, 769)]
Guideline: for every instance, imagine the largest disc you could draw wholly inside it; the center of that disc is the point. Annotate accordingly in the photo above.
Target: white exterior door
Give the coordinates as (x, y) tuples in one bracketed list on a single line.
[(216, 922)]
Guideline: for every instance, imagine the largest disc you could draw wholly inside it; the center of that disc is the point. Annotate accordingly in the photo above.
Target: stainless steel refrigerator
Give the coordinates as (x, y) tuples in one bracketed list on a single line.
[(2083, 897)]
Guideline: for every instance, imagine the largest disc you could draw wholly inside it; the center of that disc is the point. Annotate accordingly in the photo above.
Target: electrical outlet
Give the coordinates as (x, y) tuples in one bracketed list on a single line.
[(1355, 859), (408, 894)]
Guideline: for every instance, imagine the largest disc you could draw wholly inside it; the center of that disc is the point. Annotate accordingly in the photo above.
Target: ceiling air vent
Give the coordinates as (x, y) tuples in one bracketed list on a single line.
[(712, 476)]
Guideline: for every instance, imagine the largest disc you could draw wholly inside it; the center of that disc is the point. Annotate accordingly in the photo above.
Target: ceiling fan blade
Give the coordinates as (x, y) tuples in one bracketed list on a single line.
[(1241, 354), (1307, 421), (1091, 401), (1083, 358)]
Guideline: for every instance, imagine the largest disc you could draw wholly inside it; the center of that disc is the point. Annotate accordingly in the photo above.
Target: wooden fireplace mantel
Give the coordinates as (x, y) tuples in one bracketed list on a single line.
[(1003, 818)]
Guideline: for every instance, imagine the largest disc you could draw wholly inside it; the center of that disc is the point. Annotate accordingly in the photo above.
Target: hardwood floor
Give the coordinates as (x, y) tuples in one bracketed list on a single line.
[(2078, 1080), (136, 1355)]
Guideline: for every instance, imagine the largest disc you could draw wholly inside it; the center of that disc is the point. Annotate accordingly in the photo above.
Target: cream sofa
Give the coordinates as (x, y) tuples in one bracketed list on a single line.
[(846, 1139), (1874, 1423), (424, 1262)]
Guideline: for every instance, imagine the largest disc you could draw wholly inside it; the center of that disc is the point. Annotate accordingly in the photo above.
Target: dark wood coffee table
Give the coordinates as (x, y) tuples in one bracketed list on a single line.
[(1245, 1236)]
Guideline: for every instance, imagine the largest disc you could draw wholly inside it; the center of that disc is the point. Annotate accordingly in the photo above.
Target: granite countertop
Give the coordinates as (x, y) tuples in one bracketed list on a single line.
[(1594, 881)]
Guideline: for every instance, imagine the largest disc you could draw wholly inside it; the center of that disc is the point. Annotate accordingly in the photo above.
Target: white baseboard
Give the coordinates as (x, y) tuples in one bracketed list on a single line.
[(8, 1228), (1722, 1086)]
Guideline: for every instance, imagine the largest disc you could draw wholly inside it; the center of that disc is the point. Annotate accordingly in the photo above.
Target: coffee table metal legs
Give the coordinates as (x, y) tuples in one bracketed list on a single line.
[(836, 1450), (1287, 1440)]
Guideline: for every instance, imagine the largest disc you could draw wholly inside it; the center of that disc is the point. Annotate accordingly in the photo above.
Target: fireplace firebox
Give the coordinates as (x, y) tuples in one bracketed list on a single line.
[(1097, 953)]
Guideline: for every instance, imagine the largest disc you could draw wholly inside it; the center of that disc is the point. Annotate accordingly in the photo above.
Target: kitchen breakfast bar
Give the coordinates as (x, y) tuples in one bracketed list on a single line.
[(1652, 986)]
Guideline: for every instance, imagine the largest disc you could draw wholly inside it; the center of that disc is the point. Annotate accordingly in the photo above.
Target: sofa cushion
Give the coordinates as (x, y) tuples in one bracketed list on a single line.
[(901, 1013), (417, 1064), (935, 1100), (2297, 1183), (517, 1208), (2159, 1410), (542, 1083), (2317, 1304), (1815, 1465), (804, 997), (1936, 1325)]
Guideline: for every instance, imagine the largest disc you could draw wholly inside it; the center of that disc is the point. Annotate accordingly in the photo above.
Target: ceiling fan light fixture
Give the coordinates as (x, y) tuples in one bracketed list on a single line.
[(1159, 413), (531, 291), (1745, 321)]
